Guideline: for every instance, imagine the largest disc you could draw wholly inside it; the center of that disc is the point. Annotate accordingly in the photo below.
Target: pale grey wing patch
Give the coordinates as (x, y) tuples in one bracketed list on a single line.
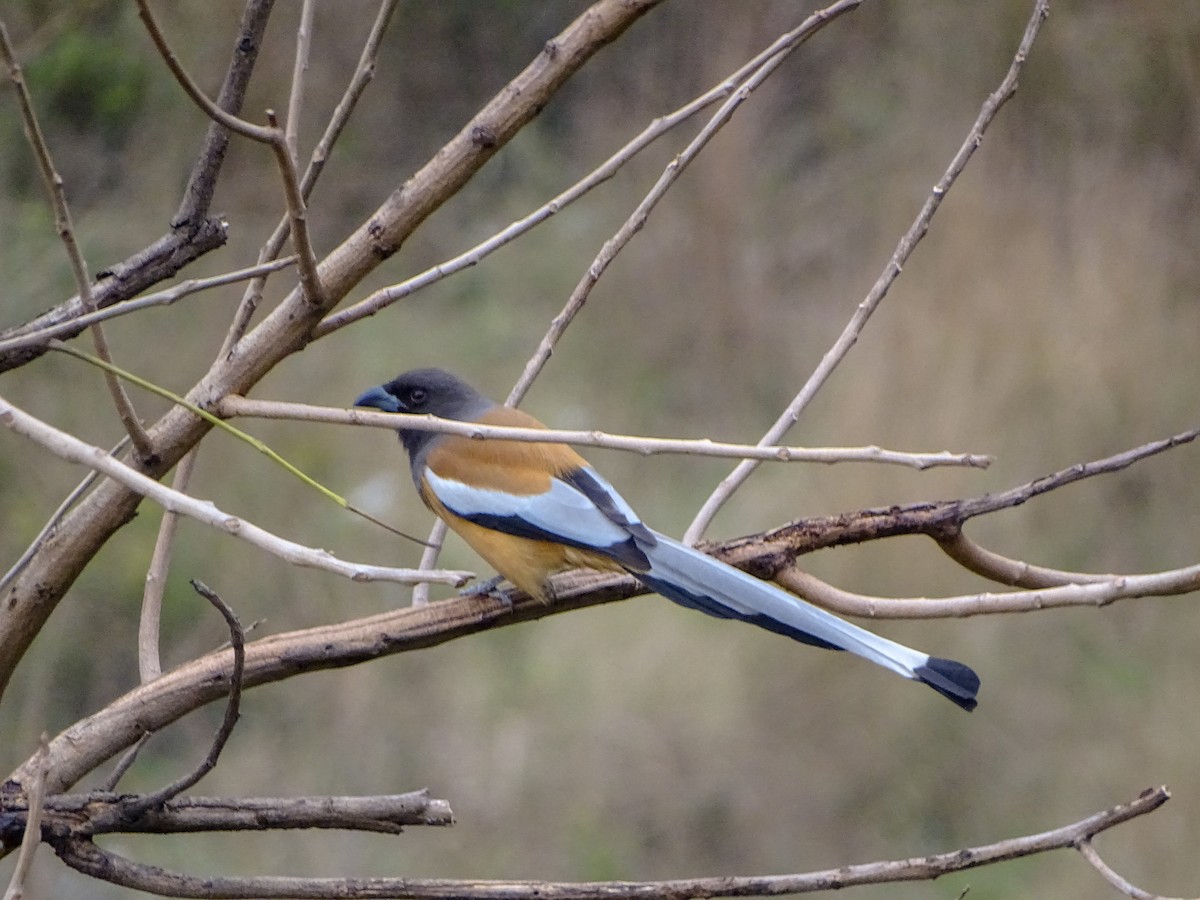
[(609, 502), (562, 513)]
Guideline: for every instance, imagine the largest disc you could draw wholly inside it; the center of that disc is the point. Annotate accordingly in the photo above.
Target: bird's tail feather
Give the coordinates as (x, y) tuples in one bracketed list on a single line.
[(698, 581)]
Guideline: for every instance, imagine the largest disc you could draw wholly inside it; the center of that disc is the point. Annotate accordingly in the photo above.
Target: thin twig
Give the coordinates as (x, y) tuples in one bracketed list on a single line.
[(879, 290), (36, 796), (306, 258), (234, 405), (429, 558), (232, 707), (637, 219), (42, 336), (1012, 572), (363, 73), (202, 182), (271, 135), (149, 658), (385, 297), (1089, 852), (55, 517), (87, 858), (299, 72), (72, 449), (125, 763), (57, 195), (1100, 592)]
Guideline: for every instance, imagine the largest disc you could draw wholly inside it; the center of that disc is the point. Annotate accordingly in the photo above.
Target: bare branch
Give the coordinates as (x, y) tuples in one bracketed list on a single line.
[(903, 251), (41, 336), (36, 796), (1090, 853), (149, 658), (1013, 572), (385, 814), (299, 71), (385, 297), (637, 219), (74, 450), (1095, 593), (237, 640), (363, 73), (57, 195), (87, 858), (429, 558), (235, 405), (124, 764)]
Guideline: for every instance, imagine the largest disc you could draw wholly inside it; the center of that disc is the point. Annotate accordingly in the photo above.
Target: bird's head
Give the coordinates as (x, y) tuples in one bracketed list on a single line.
[(433, 392)]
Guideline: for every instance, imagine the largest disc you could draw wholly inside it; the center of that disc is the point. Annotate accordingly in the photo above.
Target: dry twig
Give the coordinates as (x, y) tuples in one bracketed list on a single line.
[(35, 796), (56, 191), (72, 449), (363, 73), (234, 405), (903, 251), (149, 658), (87, 858), (237, 640)]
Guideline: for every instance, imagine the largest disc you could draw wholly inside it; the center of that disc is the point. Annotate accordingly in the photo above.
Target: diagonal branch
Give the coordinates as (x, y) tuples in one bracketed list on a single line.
[(72, 449), (636, 220), (57, 195), (35, 593), (908, 243), (194, 233)]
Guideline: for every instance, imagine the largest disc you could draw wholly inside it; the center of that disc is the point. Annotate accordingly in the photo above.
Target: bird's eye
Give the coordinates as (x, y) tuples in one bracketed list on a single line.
[(417, 396)]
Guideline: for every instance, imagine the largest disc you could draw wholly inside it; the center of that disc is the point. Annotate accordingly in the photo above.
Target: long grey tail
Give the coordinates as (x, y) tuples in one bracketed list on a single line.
[(698, 581)]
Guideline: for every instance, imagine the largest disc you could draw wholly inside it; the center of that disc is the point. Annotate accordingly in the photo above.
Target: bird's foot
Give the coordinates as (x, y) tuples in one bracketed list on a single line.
[(489, 588)]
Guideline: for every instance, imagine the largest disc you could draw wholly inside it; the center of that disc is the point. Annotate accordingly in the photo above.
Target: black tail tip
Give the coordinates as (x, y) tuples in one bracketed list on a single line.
[(957, 683)]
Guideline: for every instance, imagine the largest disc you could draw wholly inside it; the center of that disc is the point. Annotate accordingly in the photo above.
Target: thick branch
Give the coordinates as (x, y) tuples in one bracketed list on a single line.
[(36, 592)]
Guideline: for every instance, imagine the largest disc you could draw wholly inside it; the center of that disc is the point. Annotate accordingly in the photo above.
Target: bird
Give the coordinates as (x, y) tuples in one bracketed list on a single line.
[(534, 509)]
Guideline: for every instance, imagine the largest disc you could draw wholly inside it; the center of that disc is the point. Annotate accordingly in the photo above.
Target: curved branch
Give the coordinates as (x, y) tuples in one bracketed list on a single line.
[(1090, 853), (1012, 572)]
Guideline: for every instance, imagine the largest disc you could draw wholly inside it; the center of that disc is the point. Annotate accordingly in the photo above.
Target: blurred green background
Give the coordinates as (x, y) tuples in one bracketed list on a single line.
[(1050, 317)]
